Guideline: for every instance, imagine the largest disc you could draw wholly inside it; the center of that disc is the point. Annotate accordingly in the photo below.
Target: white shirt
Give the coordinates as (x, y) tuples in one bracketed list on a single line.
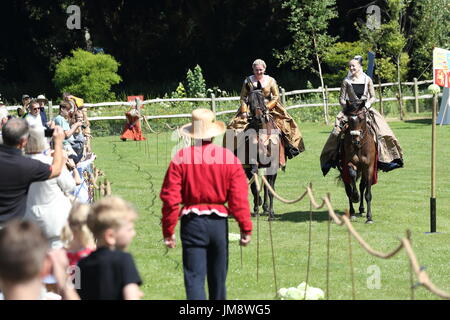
[(34, 120), (47, 204)]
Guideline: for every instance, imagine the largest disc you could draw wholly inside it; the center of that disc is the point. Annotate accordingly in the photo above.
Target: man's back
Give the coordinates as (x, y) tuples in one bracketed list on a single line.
[(17, 173)]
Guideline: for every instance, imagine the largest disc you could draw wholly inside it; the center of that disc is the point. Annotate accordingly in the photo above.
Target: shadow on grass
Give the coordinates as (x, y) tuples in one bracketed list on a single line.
[(419, 121), (303, 216)]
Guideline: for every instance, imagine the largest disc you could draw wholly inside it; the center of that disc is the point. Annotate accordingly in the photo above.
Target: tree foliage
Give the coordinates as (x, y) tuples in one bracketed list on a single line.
[(196, 85), (87, 75), (430, 29), (337, 57), (389, 41), (308, 23)]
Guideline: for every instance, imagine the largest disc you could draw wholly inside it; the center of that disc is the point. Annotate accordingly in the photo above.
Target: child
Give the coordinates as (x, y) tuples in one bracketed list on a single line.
[(25, 260), (79, 239), (109, 273)]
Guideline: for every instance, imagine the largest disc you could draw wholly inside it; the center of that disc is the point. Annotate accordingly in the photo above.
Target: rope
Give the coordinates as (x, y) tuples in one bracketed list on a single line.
[(350, 257), (273, 258), (309, 248), (422, 276), (328, 259)]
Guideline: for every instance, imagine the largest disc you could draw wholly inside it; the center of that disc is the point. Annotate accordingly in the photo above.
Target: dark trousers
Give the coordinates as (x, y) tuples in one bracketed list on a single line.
[(205, 254)]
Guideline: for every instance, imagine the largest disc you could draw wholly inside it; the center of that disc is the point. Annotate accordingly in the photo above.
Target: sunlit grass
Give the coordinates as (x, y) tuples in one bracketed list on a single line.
[(400, 202)]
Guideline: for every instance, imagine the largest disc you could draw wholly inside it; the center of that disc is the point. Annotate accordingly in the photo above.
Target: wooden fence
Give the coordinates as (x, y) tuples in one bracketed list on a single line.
[(213, 100)]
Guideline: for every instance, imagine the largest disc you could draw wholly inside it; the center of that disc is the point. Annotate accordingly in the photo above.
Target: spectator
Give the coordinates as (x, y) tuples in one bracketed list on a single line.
[(79, 239), (22, 111), (25, 259), (3, 119), (47, 204), (42, 100), (204, 226), (18, 172), (79, 141), (62, 120), (33, 116), (109, 272)]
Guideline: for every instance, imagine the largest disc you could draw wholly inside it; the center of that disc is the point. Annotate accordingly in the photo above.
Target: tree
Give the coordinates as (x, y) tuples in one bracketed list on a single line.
[(308, 22), (389, 41), (87, 75), (336, 59), (430, 29)]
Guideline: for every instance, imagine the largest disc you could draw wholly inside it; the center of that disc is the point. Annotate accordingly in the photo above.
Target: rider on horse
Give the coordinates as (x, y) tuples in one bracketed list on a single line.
[(292, 137), (359, 86)]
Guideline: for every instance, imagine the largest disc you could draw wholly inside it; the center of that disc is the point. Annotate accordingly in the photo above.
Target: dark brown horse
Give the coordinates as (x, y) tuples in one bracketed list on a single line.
[(359, 158), (262, 149)]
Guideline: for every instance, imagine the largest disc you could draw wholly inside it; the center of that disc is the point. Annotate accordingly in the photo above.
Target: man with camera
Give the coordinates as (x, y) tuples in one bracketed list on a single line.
[(18, 172)]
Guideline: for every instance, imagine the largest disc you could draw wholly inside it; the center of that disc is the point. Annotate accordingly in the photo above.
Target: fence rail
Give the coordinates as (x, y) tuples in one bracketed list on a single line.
[(213, 100)]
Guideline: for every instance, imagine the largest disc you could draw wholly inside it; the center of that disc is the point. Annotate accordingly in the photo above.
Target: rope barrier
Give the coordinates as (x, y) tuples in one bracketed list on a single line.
[(421, 274)]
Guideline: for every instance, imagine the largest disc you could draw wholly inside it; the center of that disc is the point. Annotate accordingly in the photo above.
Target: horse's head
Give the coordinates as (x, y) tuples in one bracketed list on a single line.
[(353, 107), (357, 121), (256, 104)]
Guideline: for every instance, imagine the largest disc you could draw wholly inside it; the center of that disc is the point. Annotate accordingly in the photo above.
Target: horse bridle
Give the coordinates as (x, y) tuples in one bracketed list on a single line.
[(358, 133)]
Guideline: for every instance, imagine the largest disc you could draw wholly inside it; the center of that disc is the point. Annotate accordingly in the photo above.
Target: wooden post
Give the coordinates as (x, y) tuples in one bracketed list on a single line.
[(50, 110), (213, 103), (433, 167), (416, 95), (381, 96), (326, 103), (283, 97)]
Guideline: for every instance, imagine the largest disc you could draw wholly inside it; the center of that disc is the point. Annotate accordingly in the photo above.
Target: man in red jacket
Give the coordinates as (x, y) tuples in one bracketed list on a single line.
[(203, 178)]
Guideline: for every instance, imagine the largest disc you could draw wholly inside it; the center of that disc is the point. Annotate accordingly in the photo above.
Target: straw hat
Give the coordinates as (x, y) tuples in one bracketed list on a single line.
[(41, 97), (203, 125)]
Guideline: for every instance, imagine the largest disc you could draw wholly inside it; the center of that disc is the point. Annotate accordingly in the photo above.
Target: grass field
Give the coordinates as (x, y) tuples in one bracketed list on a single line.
[(400, 202)]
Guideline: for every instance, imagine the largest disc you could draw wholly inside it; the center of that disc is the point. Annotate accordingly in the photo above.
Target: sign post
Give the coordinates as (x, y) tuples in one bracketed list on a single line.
[(441, 78)]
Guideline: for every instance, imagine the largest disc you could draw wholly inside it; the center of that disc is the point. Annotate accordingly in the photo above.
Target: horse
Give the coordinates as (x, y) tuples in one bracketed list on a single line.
[(263, 149), (359, 158)]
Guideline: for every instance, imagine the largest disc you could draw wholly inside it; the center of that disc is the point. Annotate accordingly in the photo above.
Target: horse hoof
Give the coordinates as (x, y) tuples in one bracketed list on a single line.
[(353, 218), (369, 221), (270, 218)]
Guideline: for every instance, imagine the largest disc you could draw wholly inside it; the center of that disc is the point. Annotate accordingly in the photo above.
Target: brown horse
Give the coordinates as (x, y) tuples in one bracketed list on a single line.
[(359, 158)]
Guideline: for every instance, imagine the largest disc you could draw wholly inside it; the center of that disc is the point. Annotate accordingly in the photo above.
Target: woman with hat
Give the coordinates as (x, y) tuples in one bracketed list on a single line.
[(202, 178), (42, 100), (359, 86), (132, 128)]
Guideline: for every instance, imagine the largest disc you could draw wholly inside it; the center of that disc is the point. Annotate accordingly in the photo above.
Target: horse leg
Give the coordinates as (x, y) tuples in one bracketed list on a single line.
[(368, 197), (256, 197), (266, 196), (353, 175), (349, 191), (272, 178), (362, 188)]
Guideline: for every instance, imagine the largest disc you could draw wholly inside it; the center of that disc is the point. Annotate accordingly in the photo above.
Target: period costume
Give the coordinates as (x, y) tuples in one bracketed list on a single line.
[(132, 128), (203, 178), (294, 141), (390, 155)]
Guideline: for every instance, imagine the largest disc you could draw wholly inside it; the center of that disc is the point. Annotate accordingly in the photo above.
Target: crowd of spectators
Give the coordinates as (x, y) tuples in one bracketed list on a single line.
[(47, 219)]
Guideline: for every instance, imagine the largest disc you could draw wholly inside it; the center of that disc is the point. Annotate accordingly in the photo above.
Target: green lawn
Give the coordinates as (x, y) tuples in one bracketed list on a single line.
[(400, 202)]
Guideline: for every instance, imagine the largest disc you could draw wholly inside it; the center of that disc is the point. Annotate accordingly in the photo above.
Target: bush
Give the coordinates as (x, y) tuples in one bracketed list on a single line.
[(196, 86), (87, 75)]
